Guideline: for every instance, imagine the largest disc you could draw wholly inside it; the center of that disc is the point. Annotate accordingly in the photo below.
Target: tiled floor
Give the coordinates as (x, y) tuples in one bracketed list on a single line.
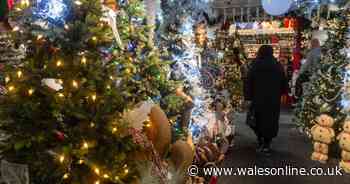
[(290, 148)]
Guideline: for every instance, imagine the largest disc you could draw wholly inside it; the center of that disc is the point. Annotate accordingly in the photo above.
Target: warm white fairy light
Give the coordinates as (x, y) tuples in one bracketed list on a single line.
[(85, 145), (114, 130), (11, 88), (66, 176), (75, 84), (126, 171), (97, 171), (30, 92), (83, 60), (93, 97), (81, 161), (39, 37), (92, 125), (19, 74), (7, 79), (61, 158), (16, 28), (59, 63)]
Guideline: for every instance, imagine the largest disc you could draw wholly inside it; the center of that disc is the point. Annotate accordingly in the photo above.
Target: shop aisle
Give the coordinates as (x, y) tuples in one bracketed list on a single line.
[(289, 148)]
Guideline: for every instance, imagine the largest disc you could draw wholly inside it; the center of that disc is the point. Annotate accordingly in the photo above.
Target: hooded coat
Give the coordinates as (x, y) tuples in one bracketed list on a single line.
[(266, 83)]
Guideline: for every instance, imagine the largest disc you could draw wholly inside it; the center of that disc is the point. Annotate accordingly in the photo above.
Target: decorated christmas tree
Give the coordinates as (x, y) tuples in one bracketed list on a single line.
[(235, 67), (87, 63), (323, 92)]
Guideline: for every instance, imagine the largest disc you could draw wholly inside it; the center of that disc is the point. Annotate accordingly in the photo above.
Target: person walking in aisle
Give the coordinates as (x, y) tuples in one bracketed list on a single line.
[(265, 84), (312, 59), (311, 65)]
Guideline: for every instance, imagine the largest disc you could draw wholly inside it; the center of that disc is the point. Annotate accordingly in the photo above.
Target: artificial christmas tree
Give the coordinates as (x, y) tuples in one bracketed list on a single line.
[(235, 71), (323, 92)]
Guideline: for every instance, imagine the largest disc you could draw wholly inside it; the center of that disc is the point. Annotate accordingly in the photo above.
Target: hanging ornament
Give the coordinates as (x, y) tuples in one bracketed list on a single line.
[(60, 135), (111, 9), (53, 84)]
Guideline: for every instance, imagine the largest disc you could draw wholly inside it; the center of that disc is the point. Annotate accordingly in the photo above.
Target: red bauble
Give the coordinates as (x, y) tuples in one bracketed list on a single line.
[(60, 135)]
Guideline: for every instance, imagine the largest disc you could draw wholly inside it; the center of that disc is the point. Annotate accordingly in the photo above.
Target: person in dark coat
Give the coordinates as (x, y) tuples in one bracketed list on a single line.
[(265, 84)]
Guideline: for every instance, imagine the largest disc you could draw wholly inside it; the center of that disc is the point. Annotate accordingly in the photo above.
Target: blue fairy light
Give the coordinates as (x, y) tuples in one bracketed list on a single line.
[(54, 12), (132, 46)]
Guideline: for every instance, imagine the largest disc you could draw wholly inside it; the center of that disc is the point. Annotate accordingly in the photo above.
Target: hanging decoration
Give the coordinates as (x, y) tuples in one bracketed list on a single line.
[(53, 12), (111, 11)]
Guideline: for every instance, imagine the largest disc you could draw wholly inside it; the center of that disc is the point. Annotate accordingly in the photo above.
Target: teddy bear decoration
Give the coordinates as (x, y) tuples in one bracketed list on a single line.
[(344, 143), (322, 135)]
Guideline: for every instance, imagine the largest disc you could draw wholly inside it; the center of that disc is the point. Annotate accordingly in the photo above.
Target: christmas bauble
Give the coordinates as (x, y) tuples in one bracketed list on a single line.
[(60, 136)]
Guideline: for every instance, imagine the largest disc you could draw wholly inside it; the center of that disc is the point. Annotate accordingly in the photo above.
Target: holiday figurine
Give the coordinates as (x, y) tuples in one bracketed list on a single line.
[(201, 34), (344, 143), (322, 134)]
